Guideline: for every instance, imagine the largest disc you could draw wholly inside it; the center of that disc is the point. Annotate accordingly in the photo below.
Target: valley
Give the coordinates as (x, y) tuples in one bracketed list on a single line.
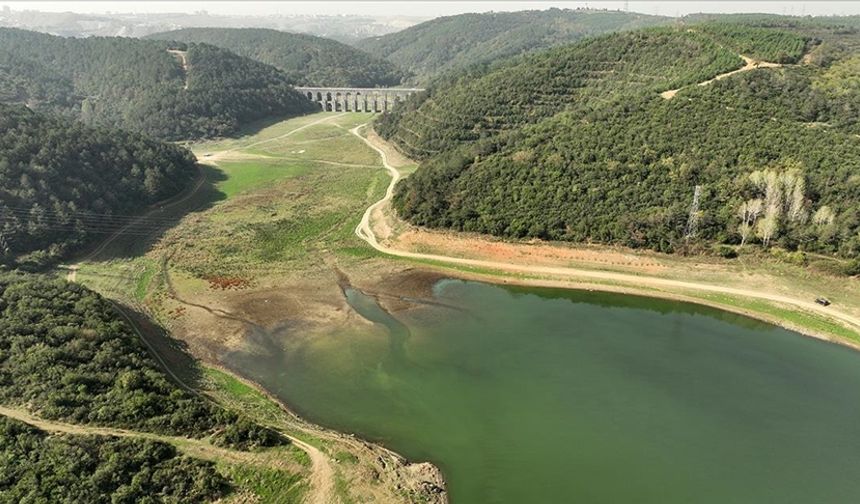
[(570, 255), (247, 296)]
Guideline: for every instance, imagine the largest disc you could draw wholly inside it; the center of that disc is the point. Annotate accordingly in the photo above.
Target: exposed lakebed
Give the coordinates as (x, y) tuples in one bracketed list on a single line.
[(544, 396)]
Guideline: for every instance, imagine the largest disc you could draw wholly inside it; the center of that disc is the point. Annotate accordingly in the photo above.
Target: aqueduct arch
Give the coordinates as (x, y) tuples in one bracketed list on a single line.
[(356, 99)]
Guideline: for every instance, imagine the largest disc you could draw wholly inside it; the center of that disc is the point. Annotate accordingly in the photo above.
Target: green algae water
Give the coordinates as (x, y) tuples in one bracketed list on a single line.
[(548, 396)]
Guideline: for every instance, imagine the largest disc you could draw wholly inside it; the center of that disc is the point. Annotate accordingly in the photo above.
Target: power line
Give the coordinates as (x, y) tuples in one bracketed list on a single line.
[(28, 211)]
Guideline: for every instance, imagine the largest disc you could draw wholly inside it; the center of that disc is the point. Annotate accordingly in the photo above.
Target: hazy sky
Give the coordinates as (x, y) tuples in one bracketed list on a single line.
[(439, 8)]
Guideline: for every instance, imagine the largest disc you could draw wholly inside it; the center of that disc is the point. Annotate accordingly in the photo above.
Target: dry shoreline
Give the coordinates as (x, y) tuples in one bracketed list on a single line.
[(646, 293), (657, 288)]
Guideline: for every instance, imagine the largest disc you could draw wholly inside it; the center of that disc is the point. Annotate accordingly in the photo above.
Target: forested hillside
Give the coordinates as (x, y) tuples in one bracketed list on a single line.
[(765, 44), (30, 82), (484, 102), (60, 182), (65, 353), (457, 42), (39, 467), (777, 20), (138, 85), (306, 60), (774, 153)]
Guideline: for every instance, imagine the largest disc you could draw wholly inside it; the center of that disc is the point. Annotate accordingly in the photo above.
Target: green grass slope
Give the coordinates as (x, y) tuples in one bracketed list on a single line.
[(307, 60)]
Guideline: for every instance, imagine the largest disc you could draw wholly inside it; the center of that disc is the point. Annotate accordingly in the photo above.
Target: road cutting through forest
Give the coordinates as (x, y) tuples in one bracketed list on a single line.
[(751, 64)]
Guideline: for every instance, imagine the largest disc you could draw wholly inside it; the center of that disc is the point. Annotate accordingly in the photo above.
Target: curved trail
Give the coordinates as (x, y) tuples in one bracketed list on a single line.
[(751, 64), (165, 205), (194, 447), (322, 475), (365, 231)]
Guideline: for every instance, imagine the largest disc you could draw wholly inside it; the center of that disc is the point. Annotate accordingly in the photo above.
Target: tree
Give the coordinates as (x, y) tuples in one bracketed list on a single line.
[(767, 227), (796, 190), (749, 212)]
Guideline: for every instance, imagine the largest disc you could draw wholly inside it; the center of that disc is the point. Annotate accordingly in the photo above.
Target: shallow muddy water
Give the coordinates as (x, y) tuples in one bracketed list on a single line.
[(549, 396)]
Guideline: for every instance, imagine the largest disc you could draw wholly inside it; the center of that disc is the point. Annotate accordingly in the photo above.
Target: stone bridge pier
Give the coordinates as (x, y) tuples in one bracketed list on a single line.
[(356, 99)]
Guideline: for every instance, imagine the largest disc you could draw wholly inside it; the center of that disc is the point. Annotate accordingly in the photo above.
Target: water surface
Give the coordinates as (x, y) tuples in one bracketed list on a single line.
[(549, 396)]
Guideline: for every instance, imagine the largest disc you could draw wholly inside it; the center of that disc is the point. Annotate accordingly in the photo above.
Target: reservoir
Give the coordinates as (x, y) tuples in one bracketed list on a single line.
[(524, 395)]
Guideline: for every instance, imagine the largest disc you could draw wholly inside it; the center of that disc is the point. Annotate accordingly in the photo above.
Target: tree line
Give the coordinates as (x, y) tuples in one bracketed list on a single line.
[(61, 182), (138, 85), (453, 43), (39, 467), (773, 151), (65, 354), (307, 60), (487, 100)]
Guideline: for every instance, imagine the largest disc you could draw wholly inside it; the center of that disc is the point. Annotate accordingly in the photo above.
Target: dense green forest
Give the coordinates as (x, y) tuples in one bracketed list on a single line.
[(138, 85), (777, 46), (774, 153), (29, 82), (61, 181), (777, 20), (65, 353), (307, 60), (456, 42), (485, 101), (39, 467)]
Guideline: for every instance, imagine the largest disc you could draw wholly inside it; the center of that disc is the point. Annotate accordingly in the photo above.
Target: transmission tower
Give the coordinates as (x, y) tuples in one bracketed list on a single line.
[(4, 244), (4, 248), (693, 219)]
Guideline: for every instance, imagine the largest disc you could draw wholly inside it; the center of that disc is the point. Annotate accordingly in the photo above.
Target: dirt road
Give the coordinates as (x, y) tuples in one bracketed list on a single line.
[(365, 232), (72, 274), (197, 448), (322, 476), (183, 60), (751, 64)]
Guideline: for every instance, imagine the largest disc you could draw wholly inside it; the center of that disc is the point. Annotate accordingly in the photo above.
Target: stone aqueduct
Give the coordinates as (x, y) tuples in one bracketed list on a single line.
[(356, 99)]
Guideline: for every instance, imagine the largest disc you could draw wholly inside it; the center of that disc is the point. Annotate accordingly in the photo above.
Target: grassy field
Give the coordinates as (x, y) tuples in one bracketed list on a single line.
[(288, 201), (273, 203), (253, 174)]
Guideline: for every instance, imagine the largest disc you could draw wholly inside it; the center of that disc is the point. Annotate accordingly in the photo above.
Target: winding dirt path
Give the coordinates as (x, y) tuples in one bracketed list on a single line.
[(197, 448), (177, 200), (751, 64), (182, 56), (364, 230), (322, 475), (72, 274)]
